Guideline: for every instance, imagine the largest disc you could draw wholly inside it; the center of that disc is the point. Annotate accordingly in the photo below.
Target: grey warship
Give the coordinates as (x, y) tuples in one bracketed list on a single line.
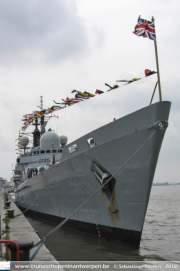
[(53, 178)]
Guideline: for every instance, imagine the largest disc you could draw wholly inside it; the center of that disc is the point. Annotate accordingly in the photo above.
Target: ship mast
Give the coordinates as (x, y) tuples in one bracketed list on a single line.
[(42, 118), (37, 133), (157, 65)]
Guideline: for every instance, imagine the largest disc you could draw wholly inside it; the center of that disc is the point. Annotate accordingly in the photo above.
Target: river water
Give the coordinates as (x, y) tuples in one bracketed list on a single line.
[(160, 239)]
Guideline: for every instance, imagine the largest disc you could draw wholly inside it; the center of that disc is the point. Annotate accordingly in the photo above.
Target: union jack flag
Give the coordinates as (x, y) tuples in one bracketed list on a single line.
[(145, 29)]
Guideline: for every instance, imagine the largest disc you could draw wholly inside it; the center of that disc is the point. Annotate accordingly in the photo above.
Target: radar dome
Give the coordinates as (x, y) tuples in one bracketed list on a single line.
[(24, 141), (63, 140), (49, 140)]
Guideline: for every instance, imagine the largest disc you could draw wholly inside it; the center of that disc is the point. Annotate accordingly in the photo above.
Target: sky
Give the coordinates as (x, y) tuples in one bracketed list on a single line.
[(48, 48)]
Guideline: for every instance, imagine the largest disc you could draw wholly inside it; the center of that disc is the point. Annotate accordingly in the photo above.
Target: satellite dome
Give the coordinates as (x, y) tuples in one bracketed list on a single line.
[(63, 140), (49, 140), (24, 141)]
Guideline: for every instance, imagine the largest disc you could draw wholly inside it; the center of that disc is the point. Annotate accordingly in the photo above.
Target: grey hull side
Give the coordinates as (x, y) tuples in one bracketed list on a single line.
[(120, 208)]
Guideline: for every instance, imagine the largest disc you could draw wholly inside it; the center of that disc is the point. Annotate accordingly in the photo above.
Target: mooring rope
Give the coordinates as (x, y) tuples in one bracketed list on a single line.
[(66, 219)]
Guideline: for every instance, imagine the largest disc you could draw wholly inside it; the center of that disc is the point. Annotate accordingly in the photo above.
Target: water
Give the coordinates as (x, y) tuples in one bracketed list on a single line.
[(161, 234), (160, 238)]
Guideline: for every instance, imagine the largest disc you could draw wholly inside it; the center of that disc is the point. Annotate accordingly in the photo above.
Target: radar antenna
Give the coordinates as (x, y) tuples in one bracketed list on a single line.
[(41, 102)]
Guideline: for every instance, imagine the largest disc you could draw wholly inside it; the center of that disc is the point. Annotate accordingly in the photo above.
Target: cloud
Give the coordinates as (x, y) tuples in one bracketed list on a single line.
[(51, 47), (33, 31)]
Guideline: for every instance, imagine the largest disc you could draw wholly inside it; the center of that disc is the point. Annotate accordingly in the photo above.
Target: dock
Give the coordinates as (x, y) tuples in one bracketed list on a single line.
[(20, 229)]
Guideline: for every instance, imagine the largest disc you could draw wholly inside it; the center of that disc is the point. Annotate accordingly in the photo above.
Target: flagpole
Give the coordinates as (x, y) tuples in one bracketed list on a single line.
[(157, 65)]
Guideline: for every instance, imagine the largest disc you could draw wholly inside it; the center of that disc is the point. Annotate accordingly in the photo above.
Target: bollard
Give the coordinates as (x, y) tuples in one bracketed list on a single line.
[(8, 203), (10, 213), (23, 245), (6, 196)]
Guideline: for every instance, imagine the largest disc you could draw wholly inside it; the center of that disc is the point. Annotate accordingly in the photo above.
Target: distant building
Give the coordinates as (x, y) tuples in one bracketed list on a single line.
[(3, 182), (165, 183), (11, 183)]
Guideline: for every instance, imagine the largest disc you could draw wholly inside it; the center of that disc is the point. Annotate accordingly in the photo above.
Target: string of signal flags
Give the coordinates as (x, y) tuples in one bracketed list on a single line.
[(143, 28), (79, 97)]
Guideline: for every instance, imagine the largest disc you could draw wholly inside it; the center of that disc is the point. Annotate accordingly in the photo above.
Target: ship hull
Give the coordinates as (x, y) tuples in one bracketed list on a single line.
[(117, 235), (117, 211)]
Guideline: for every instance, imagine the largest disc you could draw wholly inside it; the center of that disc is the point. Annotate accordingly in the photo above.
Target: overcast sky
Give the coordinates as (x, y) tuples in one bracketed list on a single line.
[(49, 48)]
